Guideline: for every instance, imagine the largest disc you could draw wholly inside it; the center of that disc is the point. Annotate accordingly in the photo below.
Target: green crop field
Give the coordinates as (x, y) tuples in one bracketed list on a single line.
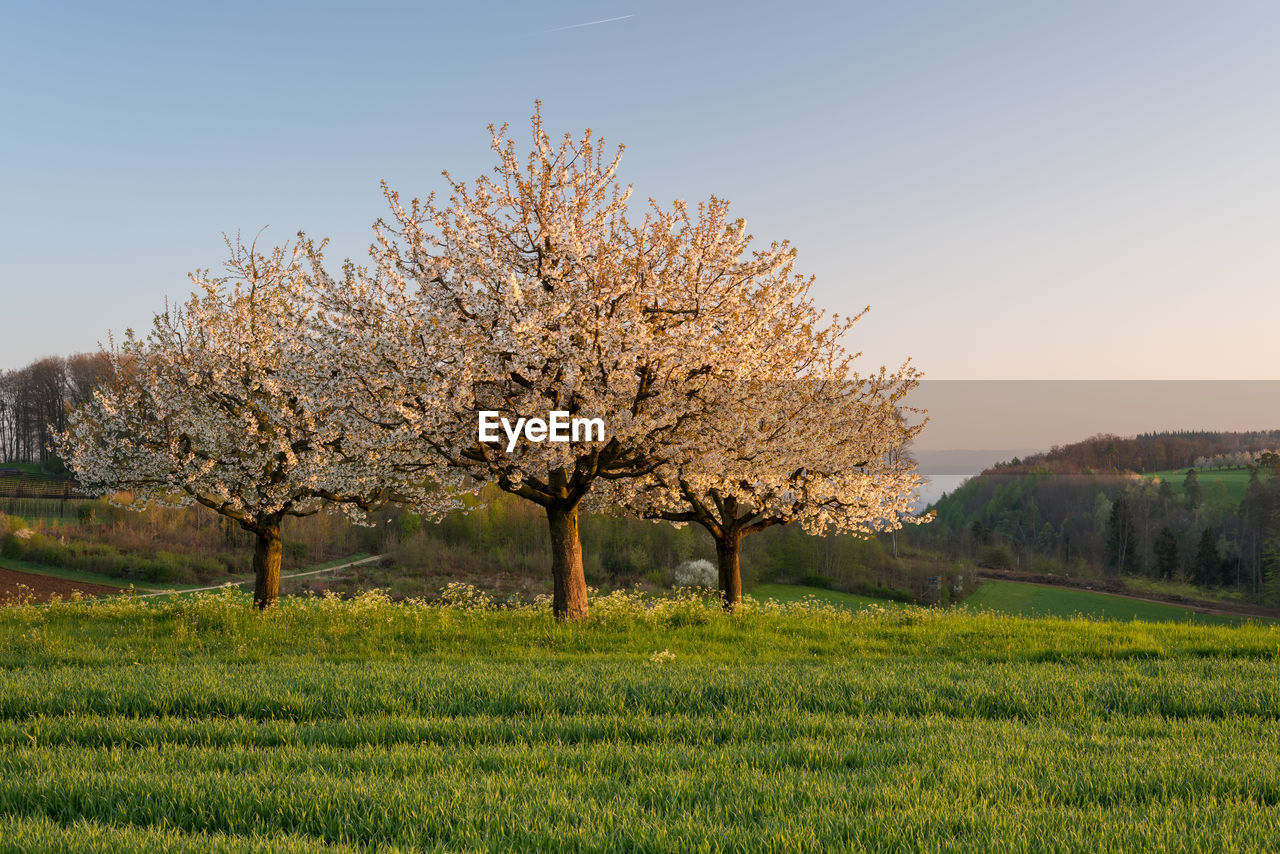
[(198, 724), (1039, 600)]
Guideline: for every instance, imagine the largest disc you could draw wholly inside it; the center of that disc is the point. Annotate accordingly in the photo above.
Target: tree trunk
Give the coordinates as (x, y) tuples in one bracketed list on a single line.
[(570, 600), (730, 574), (266, 565)]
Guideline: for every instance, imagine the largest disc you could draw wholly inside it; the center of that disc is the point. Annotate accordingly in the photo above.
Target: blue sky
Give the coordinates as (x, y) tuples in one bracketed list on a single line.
[(1019, 190)]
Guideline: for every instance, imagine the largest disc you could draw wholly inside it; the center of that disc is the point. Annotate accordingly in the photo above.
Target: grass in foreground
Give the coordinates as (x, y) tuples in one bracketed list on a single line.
[(1040, 600), (198, 724)]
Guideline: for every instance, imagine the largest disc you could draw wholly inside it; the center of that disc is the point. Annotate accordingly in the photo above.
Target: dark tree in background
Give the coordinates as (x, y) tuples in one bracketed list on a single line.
[(1122, 551), (1207, 568), (1191, 486), (1166, 553), (34, 402)]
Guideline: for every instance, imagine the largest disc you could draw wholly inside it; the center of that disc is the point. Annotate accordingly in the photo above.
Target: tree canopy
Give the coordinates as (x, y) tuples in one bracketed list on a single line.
[(531, 292), (220, 405)]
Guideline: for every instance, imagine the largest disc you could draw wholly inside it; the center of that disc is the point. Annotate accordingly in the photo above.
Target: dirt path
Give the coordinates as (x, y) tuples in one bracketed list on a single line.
[(346, 565), (1203, 606)]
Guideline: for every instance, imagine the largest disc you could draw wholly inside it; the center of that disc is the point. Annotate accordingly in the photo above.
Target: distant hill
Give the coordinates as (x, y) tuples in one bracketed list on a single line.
[(1149, 452), (1127, 507)]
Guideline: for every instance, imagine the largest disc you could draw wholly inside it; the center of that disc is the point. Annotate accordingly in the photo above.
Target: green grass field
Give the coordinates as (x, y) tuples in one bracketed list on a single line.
[(1038, 600), (1233, 480), (798, 593), (1018, 599), (197, 724)]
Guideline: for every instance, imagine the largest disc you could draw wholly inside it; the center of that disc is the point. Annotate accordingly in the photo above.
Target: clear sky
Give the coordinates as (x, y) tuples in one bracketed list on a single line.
[(1034, 190)]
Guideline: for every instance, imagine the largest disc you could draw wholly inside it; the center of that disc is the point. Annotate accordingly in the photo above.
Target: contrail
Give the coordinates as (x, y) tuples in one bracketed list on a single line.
[(576, 26)]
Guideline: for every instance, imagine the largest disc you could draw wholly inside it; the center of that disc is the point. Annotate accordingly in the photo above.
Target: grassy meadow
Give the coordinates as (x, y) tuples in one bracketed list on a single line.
[(198, 724), (1037, 600), (1020, 599), (1231, 482), (799, 593)]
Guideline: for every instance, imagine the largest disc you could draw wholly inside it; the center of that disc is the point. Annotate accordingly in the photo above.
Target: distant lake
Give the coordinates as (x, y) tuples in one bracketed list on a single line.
[(939, 484), (947, 469)]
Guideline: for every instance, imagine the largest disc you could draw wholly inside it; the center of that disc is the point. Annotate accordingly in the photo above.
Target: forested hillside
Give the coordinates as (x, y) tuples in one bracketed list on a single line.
[(1084, 510), (1147, 452)]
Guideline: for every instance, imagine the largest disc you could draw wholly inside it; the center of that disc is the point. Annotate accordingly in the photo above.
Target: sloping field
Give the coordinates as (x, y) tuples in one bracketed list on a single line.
[(1042, 600), (1233, 480), (198, 724), (798, 593)]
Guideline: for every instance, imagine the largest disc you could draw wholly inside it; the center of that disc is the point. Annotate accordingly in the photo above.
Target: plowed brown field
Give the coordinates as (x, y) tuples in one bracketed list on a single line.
[(42, 587)]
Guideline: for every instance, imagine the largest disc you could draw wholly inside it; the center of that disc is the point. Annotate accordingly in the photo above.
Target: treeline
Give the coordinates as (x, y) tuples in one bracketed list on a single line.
[(34, 402), (1197, 529), (1108, 454)]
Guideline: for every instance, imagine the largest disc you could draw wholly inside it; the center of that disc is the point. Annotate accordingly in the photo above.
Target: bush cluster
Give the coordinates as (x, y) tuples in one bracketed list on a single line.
[(697, 573), (104, 559)]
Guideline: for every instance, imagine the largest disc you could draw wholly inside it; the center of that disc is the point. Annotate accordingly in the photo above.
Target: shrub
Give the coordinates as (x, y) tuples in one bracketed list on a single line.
[(630, 560), (697, 573), (879, 591), (814, 580), (202, 568), (1044, 565), (21, 543), (157, 569), (892, 593), (409, 523), (47, 552), (996, 557)]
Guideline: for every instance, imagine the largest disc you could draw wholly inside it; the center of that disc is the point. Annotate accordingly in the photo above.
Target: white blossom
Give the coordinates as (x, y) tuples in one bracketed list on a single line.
[(226, 403)]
